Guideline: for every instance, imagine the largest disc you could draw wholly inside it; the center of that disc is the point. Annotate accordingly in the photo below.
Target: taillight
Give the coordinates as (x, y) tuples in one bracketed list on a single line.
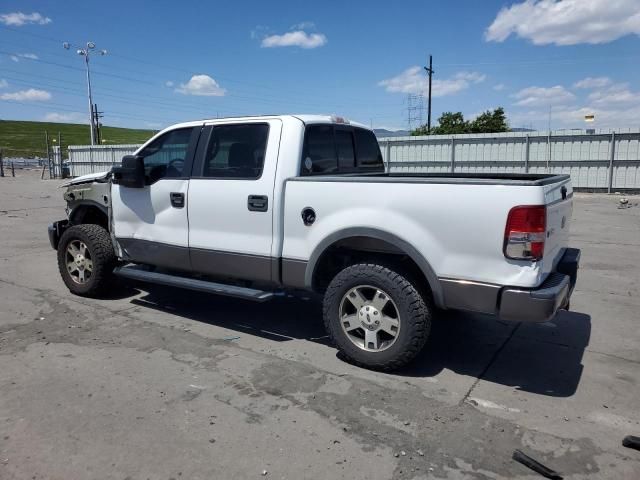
[(525, 232)]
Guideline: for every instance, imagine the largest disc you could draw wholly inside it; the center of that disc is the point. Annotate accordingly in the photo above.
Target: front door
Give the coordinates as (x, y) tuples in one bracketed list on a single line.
[(151, 223), (231, 199)]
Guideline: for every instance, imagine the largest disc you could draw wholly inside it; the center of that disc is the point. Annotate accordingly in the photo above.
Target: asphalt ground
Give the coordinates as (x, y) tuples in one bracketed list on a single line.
[(159, 383)]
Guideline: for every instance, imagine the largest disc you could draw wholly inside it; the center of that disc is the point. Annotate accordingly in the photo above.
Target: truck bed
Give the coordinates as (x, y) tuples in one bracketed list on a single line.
[(526, 179), (456, 221)]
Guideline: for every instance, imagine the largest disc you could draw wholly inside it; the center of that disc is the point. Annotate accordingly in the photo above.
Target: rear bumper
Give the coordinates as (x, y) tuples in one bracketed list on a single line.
[(542, 303), (55, 231), (516, 303)]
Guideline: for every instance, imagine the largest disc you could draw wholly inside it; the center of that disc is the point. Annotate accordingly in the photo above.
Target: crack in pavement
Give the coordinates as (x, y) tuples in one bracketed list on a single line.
[(491, 361)]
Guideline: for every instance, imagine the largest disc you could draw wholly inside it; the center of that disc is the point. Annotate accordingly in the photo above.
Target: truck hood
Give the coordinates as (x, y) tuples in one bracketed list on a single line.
[(92, 177)]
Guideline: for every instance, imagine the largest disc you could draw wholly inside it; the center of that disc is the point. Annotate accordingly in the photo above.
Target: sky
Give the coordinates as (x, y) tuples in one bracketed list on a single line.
[(546, 62)]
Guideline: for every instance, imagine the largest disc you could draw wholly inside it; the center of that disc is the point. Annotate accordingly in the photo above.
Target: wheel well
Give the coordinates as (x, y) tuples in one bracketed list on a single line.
[(89, 214), (353, 250)]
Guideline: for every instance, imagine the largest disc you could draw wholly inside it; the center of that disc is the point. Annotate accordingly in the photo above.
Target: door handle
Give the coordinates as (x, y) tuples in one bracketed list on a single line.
[(177, 199), (258, 203)]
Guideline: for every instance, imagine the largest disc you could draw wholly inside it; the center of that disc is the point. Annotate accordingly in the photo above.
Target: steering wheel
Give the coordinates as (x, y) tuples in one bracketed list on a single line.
[(177, 163), (174, 167)]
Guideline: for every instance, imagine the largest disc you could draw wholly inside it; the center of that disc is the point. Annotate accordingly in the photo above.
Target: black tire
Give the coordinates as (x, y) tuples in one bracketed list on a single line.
[(98, 243), (413, 309)]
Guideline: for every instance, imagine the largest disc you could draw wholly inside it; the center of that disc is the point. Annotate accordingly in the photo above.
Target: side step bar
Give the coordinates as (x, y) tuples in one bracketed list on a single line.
[(140, 274)]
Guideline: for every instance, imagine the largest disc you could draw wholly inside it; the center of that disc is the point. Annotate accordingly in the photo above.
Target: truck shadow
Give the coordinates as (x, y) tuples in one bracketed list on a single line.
[(544, 358), (540, 358)]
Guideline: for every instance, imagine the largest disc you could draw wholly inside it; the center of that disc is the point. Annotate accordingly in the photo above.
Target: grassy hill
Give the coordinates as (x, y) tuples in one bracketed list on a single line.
[(27, 139)]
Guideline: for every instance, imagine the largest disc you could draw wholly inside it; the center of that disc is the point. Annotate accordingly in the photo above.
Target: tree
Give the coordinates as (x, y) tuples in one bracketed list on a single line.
[(490, 122), (451, 123)]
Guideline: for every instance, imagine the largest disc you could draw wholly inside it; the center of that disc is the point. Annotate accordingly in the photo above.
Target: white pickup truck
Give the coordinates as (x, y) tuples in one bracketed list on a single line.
[(252, 206)]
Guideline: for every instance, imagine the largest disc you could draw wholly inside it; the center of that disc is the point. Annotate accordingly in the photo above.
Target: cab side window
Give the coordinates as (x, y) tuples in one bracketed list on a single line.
[(340, 149), (165, 157), (319, 154), (236, 151), (369, 155)]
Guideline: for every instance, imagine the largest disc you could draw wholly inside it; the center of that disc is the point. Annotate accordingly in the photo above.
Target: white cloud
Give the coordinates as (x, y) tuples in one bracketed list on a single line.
[(31, 95), (499, 87), (258, 31), (17, 56), (543, 96), (566, 22), (613, 104), (303, 26), (168, 83), (593, 82), (72, 117), (297, 38), (3, 83), (615, 94), (573, 117), (201, 85), (17, 19), (414, 80)]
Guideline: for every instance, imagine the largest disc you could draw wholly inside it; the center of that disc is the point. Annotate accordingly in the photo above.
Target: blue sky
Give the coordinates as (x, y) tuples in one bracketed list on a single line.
[(171, 61)]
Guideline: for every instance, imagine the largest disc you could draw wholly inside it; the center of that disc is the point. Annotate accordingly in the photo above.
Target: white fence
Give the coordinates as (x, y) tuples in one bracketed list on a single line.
[(84, 159), (601, 159)]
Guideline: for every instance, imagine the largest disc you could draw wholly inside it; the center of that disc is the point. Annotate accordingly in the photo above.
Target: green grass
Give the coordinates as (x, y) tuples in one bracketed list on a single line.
[(27, 139)]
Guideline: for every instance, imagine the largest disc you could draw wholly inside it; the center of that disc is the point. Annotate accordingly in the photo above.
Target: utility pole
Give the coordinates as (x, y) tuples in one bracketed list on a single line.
[(549, 141), (46, 139), (86, 53), (430, 73), (96, 121)]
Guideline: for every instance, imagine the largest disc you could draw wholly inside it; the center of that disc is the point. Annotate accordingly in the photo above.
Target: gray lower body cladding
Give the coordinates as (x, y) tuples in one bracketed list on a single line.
[(256, 268), (509, 303)]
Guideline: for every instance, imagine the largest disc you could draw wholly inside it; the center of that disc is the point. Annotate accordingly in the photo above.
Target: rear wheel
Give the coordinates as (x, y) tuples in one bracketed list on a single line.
[(376, 317), (86, 259)]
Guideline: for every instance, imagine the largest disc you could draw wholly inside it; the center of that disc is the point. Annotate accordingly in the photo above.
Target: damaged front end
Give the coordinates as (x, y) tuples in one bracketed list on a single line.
[(88, 201)]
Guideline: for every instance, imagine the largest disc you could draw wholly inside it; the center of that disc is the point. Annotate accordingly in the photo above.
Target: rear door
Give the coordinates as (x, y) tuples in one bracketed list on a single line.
[(230, 203), (151, 223)]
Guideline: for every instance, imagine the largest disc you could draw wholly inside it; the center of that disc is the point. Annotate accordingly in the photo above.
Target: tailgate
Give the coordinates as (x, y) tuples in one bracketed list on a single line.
[(559, 201)]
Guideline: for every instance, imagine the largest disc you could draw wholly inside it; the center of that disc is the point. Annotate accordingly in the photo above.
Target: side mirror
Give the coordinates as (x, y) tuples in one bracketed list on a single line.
[(131, 173)]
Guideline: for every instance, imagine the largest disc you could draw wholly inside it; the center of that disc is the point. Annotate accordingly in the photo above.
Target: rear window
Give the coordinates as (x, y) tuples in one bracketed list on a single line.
[(341, 149), (346, 150)]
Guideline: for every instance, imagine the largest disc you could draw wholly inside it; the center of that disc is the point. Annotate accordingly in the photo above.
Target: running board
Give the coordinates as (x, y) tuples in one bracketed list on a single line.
[(137, 273)]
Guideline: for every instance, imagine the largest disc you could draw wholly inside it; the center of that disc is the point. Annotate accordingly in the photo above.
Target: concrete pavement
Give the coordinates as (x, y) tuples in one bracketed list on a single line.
[(160, 383)]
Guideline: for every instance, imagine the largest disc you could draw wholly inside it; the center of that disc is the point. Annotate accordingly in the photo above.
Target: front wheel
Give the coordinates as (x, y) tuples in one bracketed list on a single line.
[(376, 317), (86, 259)]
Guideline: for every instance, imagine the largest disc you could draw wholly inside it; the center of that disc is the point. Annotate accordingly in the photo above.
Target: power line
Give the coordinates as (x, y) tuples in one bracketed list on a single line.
[(270, 100), (178, 69), (164, 101), (69, 67), (72, 109)]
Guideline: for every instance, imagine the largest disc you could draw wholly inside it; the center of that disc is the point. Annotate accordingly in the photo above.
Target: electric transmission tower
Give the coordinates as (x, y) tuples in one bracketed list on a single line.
[(415, 111)]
